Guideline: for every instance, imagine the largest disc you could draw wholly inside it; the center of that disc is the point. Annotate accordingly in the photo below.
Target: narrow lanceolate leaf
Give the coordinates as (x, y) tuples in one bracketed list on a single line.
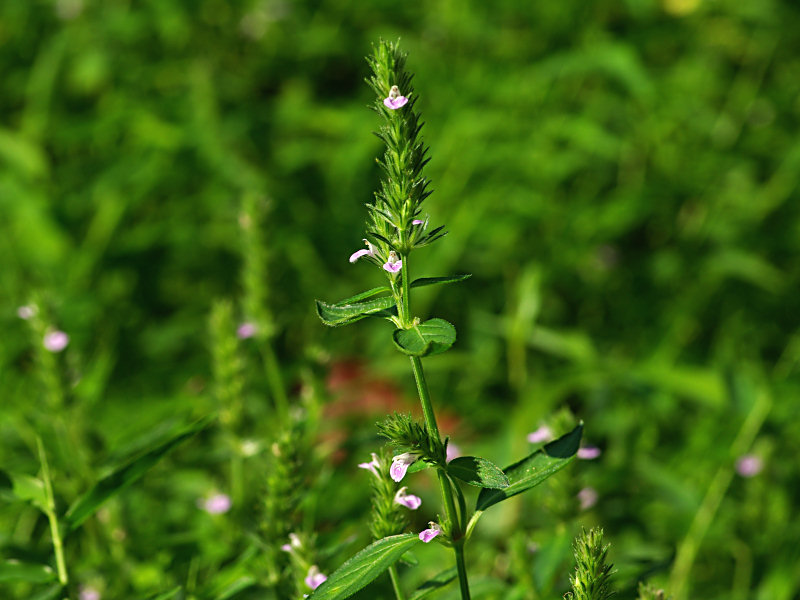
[(350, 311), (437, 583), (426, 339), (365, 566), (535, 468), (423, 281), (125, 475), (13, 570), (478, 472)]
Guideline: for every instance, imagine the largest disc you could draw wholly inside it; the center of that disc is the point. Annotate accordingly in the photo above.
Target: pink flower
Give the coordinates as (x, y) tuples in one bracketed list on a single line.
[(428, 534), (246, 330), (294, 543), (400, 464), (453, 451), (394, 264), (27, 312), (368, 251), (88, 593), (418, 222), (749, 465), (314, 579), (371, 466), (55, 341), (588, 497), (543, 434), (410, 501), (217, 504), (588, 452), (394, 100)]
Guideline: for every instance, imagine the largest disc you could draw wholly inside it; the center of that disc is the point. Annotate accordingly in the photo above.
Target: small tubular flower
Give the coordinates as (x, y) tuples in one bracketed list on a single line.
[(393, 264), (314, 579), (410, 501), (543, 434), (371, 466), (400, 464), (433, 530), (395, 100)]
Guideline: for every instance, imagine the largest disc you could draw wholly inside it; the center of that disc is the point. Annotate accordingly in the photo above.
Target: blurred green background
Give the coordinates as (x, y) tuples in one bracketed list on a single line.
[(621, 177)]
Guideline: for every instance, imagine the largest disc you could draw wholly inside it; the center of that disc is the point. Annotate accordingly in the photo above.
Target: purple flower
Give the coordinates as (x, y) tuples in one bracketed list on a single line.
[(314, 579), (294, 543), (587, 497), (394, 264), (453, 451), (410, 501), (371, 466), (395, 100), (418, 222), (428, 534), (27, 312), (400, 464), (588, 452), (749, 465), (55, 341), (88, 593), (368, 251), (246, 330), (217, 504), (543, 434)]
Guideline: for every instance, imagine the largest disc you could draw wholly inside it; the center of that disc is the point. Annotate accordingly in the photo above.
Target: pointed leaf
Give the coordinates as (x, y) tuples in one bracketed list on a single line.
[(25, 487), (438, 582), (423, 281), (426, 339), (365, 566), (364, 295), (125, 475), (14, 570), (335, 315), (478, 472), (535, 468)]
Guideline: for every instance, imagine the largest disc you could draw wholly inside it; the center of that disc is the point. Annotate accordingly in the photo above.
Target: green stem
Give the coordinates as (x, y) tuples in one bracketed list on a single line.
[(396, 583), (275, 381), (50, 511), (405, 317), (444, 483)]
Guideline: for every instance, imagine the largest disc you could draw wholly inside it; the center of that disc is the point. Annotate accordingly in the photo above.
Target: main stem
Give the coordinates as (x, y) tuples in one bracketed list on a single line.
[(398, 591), (444, 484), (50, 511)]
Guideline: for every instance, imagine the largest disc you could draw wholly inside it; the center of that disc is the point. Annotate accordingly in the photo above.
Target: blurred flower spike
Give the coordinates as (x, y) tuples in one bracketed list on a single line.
[(246, 330), (314, 579), (27, 312), (294, 543), (55, 341), (588, 497), (433, 530), (410, 501), (371, 466), (543, 434), (394, 264), (217, 504), (589, 452), (88, 593), (749, 465), (395, 100), (400, 464)]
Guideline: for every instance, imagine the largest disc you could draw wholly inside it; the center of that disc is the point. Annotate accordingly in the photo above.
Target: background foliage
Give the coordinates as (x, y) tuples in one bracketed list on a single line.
[(620, 177)]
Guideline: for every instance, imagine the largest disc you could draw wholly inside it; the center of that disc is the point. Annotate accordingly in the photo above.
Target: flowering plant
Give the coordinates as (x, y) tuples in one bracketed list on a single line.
[(396, 227)]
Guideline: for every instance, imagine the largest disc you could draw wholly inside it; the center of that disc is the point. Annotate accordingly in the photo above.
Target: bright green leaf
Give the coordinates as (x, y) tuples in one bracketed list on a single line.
[(13, 570), (423, 281), (346, 312), (365, 566), (535, 468), (438, 582), (426, 339), (27, 488), (125, 475), (478, 472), (52, 592)]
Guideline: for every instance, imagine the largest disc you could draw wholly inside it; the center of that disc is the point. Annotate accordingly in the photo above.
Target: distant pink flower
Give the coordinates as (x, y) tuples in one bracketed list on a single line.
[(294, 543), (410, 501), (400, 464), (55, 341), (395, 100), (749, 465), (394, 264), (543, 434), (27, 312), (418, 222), (368, 251), (88, 593), (588, 452), (314, 579), (588, 497), (453, 451), (246, 330), (217, 504), (372, 465), (433, 530)]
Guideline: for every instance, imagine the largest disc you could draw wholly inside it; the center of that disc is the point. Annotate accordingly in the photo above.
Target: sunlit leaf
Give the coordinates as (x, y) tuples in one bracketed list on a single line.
[(426, 339)]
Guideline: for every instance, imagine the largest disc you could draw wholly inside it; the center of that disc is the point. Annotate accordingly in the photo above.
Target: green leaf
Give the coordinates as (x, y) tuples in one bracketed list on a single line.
[(125, 475), (478, 472), (166, 595), (426, 339), (52, 592), (348, 311), (418, 465), (364, 295), (438, 582), (535, 468), (14, 570), (365, 566), (423, 281), (27, 488)]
